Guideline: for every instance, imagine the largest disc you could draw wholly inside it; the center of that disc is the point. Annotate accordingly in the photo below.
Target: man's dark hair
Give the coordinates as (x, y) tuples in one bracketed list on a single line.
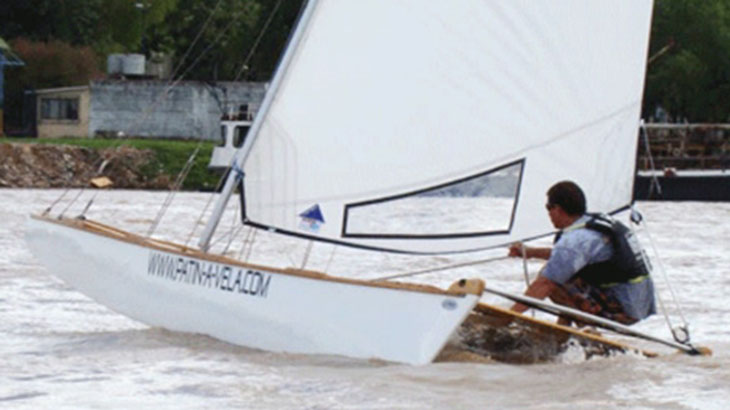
[(569, 196)]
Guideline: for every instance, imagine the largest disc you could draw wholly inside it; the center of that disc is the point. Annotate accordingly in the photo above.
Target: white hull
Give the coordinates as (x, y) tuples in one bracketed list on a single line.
[(164, 285)]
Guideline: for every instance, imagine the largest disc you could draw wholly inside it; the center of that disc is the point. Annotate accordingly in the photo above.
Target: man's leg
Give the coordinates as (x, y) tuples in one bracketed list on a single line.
[(578, 294)]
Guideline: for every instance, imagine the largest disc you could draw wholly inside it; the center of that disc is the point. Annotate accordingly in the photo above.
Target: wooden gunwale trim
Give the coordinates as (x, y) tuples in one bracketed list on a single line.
[(529, 321), (165, 246)]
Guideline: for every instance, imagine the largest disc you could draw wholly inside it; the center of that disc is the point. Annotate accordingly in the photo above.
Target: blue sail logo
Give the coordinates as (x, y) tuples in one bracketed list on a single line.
[(311, 219)]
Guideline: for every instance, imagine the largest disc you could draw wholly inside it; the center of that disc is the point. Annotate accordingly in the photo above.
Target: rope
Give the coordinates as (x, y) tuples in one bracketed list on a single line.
[(524, 266), (430, 270), (527, 272)]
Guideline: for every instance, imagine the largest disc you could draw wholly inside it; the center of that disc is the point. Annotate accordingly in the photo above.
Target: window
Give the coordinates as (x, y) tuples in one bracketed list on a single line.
[(243, 113), (222, 141), (60, 108), (239, 135), (478, 205)]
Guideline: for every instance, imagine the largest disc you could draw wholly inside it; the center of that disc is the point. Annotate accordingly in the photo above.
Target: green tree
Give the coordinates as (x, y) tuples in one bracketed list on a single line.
[(226, 33), (692, 79), (268, 52), (47, 65), (71, 21), (124, 24), (207, 36), (54, 64)]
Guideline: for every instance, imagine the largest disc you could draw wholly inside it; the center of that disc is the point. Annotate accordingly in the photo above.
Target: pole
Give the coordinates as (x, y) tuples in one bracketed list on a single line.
[(593, 319), (240, 157)]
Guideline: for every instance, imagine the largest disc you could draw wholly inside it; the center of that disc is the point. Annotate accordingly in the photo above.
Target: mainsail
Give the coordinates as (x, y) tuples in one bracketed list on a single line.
[(452, 118)]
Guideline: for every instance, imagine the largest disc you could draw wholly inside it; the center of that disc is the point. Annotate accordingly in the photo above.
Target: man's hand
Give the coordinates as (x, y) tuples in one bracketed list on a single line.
[(516, 249)]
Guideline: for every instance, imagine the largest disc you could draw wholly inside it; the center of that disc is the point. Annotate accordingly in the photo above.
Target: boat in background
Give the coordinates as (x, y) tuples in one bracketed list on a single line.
[(684, 162), (475, 108), (234, 128)]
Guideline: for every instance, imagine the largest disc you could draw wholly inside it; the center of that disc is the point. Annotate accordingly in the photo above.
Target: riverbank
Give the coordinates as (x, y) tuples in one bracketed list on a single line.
[(130, 164)]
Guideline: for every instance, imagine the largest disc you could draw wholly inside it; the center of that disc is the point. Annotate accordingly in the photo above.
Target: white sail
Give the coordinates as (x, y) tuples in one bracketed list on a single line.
[(395, 108)]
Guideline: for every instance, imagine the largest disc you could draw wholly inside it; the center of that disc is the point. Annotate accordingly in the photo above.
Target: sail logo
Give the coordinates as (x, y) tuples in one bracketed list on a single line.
[(311, 219)]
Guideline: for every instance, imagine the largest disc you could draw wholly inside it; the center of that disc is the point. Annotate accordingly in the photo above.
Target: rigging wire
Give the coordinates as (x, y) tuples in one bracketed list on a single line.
[(70, 203), (195, 40), (331, 258), (82, 215), (104, 161), (250, 246), (440, 268), (307, 253), (235, 230), (647, 146), (165, 92), (54, 203), (195, 62), (175, 188), (217, 189), (244, 245), (683, 338), (244, 65), (199, 220)]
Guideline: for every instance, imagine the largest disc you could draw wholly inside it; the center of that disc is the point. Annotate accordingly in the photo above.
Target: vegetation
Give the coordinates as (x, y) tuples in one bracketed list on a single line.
[(170, 157), (692, 79), (217, 40), (210, 38)]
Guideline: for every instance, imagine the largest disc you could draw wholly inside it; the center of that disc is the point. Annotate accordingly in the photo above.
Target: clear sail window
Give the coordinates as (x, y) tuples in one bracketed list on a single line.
[(478, 205)]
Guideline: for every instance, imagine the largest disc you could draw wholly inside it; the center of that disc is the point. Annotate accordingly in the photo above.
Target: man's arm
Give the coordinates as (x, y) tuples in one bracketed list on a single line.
[(530, 252), (539, 289)]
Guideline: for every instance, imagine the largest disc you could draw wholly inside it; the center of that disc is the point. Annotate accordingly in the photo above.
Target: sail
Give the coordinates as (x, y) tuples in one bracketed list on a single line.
[(438, 126)]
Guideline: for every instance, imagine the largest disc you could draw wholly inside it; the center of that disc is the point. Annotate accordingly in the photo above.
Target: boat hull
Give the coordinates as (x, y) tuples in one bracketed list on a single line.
[(247, 305)]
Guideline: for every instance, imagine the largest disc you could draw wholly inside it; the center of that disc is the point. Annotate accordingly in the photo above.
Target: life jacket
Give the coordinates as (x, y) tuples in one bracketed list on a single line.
[(629, 261)]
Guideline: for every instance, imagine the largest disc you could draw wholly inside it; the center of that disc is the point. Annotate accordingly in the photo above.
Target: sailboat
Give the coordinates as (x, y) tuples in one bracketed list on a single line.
[(449, 118)]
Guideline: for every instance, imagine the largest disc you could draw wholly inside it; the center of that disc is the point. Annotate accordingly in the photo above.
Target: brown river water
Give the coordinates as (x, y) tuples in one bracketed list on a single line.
[(61, 350)]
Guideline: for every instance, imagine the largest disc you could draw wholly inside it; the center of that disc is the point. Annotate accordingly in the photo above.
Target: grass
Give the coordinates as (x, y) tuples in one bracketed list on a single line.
[(170, 156)]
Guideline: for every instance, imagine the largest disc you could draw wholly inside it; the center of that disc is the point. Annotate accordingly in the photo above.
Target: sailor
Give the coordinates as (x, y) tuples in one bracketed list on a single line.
[(595, 265)]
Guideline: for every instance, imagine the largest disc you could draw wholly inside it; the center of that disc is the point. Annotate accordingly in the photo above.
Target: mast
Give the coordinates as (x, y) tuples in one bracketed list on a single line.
[(240, 157)]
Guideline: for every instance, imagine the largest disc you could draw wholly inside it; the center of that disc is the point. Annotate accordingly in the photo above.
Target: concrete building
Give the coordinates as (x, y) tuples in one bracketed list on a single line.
[(143, 108), (63, 111)]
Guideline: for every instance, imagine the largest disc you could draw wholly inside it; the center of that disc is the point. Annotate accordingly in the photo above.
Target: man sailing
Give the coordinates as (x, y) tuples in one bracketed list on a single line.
[(596, 265)]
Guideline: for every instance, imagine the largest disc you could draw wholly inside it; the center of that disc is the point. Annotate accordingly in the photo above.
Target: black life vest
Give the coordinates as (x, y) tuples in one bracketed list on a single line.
[(629, 260)]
